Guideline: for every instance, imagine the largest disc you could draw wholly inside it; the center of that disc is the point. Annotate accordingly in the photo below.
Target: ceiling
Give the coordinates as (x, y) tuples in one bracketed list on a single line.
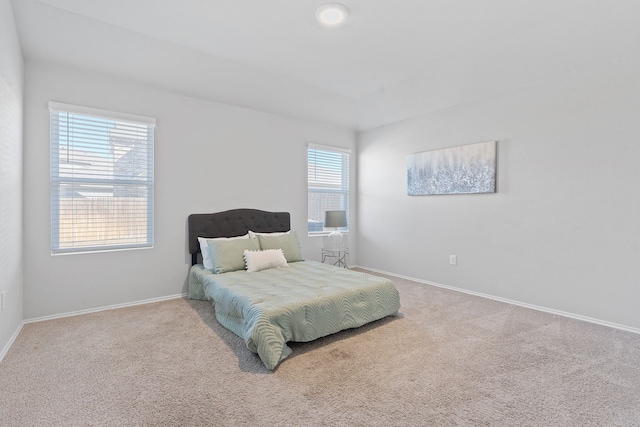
[(391, 60)]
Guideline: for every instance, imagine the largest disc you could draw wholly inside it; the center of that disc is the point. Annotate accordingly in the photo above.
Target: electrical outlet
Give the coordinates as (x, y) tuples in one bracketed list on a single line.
[(453, 259)]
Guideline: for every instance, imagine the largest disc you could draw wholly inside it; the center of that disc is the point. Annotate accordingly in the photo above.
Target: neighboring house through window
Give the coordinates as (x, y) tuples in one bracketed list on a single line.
[(101, 179), (328, 185)]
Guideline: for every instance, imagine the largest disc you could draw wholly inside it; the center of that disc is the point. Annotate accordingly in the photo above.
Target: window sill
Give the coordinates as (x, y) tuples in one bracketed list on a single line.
[(324, 233)]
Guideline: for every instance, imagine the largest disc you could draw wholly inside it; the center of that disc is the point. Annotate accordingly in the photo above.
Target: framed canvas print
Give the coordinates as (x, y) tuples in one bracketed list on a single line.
[(465, 169)]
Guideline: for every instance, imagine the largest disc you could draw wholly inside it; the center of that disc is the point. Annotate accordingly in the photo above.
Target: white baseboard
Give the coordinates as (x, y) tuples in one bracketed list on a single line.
[(108, 307), (508, 301), (6, 348)]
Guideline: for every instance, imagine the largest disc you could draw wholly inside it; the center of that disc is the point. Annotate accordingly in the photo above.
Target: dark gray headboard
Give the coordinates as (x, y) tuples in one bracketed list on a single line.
[(235, 222)]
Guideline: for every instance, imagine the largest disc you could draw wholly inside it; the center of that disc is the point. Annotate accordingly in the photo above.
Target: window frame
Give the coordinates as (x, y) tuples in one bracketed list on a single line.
[(57, 181), (344, 190)]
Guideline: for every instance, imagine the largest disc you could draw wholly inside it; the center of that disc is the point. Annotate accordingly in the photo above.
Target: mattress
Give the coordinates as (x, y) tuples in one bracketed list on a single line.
[(302, 302)]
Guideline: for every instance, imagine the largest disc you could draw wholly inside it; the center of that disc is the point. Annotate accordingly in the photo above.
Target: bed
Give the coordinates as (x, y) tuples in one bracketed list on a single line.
[(287, 299)]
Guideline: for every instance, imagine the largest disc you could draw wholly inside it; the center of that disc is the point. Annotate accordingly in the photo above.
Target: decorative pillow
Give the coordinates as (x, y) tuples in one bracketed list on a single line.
[(262, 260), (253, 234), (204, 248), (227, 255), (287, 242)]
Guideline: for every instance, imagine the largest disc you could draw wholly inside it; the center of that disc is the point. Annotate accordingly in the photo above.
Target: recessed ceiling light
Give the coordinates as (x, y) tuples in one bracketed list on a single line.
[(332, 14)]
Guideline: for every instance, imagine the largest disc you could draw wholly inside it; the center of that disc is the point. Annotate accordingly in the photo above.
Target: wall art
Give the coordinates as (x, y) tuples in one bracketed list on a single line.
[(457, 170)]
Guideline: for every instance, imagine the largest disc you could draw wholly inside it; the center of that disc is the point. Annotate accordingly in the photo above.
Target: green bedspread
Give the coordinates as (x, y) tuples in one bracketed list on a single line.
[(302, 302)]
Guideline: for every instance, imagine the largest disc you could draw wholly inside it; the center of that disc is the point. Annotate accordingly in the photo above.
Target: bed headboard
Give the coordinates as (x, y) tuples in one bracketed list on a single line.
[(235, 222)]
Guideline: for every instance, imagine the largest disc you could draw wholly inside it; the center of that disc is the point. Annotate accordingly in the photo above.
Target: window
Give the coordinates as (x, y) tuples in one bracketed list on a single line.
[(328, 184), (101, 180)]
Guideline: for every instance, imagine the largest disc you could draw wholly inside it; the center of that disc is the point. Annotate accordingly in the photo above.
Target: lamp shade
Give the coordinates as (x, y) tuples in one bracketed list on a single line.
[(335, 219)]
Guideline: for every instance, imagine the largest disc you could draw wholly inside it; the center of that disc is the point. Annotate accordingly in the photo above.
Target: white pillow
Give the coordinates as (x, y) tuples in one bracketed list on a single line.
[(262, 260), (253, 234), (206, 253)]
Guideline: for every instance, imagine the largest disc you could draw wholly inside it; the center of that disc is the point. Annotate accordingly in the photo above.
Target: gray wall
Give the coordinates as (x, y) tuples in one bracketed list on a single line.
[(561, 233), (209, 157), (11, 89)]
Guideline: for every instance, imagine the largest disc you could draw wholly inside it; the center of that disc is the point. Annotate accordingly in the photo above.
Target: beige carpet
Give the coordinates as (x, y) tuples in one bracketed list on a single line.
[(450, 359)]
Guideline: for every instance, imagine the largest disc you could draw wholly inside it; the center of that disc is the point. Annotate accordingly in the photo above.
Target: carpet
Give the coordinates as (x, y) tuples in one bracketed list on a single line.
[(448, 359)]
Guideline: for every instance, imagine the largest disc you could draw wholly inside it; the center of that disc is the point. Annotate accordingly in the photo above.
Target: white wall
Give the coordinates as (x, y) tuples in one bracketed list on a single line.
[(562, 232), (209, 157), (11, 98)]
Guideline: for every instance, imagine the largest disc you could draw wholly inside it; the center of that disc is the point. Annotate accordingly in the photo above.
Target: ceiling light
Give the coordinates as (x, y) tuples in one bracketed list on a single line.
[(331, 14)]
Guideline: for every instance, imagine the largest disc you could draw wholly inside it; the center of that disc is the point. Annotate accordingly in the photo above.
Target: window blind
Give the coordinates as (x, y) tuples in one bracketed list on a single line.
[(328, 184), (101, 179)]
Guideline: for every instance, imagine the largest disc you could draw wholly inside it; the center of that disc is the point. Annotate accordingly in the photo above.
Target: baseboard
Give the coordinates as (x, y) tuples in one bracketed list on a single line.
[(6, 348), (108, 307), (509, 301)]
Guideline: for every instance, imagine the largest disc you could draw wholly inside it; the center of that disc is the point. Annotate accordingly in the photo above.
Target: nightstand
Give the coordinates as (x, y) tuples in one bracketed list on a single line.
[(337, 255)]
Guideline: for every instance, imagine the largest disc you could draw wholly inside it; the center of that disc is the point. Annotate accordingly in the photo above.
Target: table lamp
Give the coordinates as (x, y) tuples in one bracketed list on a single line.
[(335, 220)]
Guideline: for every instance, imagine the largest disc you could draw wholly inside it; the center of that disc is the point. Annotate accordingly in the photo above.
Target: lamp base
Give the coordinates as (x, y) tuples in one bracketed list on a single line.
[(335, 239)]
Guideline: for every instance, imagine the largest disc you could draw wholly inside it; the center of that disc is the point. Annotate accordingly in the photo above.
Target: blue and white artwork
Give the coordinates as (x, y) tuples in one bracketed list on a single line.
[(457, 170)]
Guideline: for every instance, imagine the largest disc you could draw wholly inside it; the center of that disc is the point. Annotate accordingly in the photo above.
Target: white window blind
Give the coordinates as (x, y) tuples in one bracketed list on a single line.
[(101, 179), (328, 184)]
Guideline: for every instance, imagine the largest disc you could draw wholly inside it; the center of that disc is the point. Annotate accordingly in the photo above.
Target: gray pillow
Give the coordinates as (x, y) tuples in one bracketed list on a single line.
[(287, 242), (228, 255)]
